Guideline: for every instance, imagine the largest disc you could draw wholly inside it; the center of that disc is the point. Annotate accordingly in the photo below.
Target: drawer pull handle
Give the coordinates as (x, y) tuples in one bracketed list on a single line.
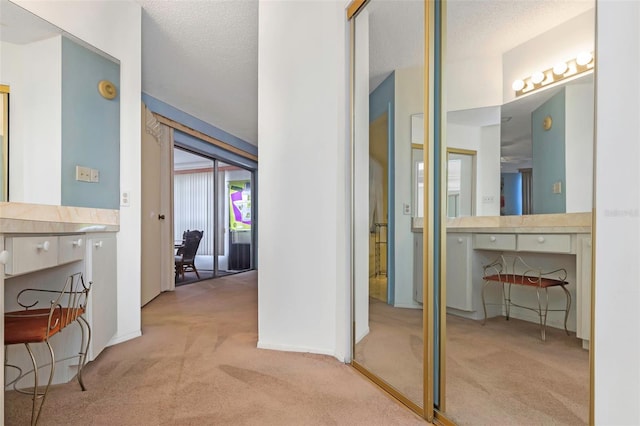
[(541, 240), (98, 244), (43, 246), (4, 257), (492, 238), (460, 240), (77, 243)]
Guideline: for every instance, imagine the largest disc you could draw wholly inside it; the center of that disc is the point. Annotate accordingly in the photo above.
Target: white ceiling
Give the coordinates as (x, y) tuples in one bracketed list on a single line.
[(202, 56)]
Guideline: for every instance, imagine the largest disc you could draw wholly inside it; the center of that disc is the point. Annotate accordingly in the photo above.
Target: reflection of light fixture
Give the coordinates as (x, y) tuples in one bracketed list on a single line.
[(584, 58), (583, 62), (560, 68), (537, 77)]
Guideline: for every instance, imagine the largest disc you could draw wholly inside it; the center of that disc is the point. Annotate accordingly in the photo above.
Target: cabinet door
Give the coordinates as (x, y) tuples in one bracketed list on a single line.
[(583, 288), (102, 272), (459, 282)]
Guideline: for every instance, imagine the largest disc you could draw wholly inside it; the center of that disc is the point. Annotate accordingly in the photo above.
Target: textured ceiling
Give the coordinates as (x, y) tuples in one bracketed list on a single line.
[(202, 58), (477, 28)]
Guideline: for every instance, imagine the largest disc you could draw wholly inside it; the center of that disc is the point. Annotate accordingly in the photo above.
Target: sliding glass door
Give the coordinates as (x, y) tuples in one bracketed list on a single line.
[(213, 198)]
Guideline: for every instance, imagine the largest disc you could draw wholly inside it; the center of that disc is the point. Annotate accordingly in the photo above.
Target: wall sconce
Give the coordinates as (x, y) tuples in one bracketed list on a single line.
[(582, 63)]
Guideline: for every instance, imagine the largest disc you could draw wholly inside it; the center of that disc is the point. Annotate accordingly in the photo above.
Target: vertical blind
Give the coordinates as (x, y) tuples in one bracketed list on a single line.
[(193, 207)]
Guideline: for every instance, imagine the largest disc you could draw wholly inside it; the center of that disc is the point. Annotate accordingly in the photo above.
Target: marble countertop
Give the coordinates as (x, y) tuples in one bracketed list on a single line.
[(541, 223), (41, 218)]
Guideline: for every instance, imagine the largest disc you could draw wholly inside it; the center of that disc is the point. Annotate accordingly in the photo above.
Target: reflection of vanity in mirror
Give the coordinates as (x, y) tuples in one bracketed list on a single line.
[(529, 172), (533, 199), (60, 178)]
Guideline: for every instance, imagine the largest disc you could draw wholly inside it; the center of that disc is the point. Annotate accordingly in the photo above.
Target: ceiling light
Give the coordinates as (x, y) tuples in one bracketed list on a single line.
[(537, 77), (560, 68), (583, 58), (517, 85)]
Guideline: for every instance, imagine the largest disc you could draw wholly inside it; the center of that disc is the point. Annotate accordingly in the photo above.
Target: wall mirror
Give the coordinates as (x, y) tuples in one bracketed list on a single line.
[(55, 82), (461, 182), (388, 67), (534, 156)]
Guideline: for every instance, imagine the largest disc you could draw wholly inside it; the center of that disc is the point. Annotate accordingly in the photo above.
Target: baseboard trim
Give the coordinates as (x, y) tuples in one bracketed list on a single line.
[(407, 306), (123, 338), (294, 348), (362, 335)]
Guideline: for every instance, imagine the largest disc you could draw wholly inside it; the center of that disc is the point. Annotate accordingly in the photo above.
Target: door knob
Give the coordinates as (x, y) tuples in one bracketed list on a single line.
[(160, 217)]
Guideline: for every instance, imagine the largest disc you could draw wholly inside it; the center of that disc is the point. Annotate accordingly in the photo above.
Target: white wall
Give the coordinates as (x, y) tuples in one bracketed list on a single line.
[(485, 140), (115, 28), (361, 207), (473, 83), (409, 100), (579, 105), (302, 88), (617, 293), (34, 72)]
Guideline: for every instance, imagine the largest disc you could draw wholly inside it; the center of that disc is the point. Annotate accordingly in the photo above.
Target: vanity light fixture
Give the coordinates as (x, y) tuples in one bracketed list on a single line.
[(518, 85), (583, 62)]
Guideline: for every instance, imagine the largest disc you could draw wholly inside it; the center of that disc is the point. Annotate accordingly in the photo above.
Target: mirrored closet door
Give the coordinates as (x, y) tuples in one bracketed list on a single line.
[(388, 66), (519, 92)]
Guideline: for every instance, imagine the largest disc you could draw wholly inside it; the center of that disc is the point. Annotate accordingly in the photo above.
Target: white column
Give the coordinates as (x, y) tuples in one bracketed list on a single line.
[(302, 133)]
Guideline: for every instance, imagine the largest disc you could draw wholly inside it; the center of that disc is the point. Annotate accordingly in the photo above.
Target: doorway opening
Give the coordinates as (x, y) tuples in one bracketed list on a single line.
[(214, 198)]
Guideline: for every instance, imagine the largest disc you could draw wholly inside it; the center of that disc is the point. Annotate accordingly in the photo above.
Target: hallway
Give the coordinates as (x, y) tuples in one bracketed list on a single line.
[(197, 364)]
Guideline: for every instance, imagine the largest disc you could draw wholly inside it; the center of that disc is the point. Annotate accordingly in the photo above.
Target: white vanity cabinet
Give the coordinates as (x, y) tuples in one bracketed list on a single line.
[(459, 272), (468, 251), (583, 279), (100, 269), (45, 261), (464, 272)]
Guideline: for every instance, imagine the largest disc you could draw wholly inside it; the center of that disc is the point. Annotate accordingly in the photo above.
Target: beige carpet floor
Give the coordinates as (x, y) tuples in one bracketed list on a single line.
[(497, 374), (197, 364)]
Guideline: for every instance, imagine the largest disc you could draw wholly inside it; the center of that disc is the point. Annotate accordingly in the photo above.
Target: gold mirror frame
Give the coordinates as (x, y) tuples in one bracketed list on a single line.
[(4, 189), (429, 241)]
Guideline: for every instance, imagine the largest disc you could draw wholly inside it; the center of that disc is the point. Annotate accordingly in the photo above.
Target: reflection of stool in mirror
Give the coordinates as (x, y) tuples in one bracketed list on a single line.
[(517, 272), (45, 314)]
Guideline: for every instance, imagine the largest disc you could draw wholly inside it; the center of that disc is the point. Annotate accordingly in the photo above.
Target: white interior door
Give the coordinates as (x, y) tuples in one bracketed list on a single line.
[(157, 245)]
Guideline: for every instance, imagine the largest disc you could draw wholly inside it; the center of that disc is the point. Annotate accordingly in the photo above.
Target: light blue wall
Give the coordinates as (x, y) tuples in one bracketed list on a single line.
[(549, 156), (90, 128), (382, 95), (512, 193), (192, 122)]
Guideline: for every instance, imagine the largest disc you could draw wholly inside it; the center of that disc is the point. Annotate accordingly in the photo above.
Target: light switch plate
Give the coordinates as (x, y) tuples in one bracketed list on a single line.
[(83, 174), (406, 208), (95, 175)]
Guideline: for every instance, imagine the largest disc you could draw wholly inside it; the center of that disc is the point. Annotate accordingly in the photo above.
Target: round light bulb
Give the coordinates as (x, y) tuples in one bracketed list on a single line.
[(560, 68), (517, 85), (537, 77), (583, 58)]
